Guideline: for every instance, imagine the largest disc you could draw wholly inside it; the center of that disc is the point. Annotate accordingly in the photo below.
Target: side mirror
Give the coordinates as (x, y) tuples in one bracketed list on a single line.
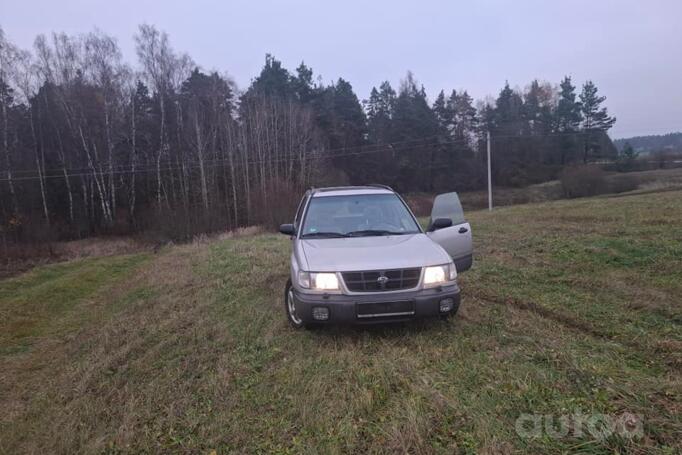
[(287, 229), (440, 223)]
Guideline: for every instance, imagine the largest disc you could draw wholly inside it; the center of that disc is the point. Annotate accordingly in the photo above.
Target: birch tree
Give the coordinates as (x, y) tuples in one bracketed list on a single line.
[(8, 61), (163, 69)]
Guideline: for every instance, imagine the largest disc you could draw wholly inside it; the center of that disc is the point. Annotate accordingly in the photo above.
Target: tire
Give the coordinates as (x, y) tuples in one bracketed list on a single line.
[(290, 309)]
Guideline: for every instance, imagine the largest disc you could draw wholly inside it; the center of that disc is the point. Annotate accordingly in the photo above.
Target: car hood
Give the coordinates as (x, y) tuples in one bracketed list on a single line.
[(372, 253)]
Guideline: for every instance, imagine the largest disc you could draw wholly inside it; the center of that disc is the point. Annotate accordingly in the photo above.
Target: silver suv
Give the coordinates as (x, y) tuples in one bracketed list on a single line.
[(360, 256)]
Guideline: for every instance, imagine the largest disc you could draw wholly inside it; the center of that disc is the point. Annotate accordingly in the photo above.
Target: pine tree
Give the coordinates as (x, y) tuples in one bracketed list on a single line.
[(387, 97), (486, 118), (508, 112), (350, 120), (444, 112), (416, 122), (567, 118), (303, 83), (595, 117), (537, 110), (596, 122), (380, 108), (413, 117), (465, 119), (627, 158), (628, 152), (344, 125), (508, 122), (568, 113), (372, 104), (381, 165), (273, 80)]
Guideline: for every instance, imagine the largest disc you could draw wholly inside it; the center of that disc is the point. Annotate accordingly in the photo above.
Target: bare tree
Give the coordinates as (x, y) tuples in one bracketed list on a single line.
[(58, 67), (163, 70), (8, 60), (25, 80), (104, 65)]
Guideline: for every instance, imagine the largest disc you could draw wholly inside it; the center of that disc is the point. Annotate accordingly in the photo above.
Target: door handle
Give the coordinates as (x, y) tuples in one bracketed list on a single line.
[(462, 230)]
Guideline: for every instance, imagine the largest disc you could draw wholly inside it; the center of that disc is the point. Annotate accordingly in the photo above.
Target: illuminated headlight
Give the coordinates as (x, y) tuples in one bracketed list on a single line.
[(439, 274), (324, 281), (318, 281)]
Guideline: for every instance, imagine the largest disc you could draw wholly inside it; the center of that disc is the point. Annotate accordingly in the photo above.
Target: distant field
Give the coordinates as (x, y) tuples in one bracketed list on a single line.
[(572, 306), (656, 180)]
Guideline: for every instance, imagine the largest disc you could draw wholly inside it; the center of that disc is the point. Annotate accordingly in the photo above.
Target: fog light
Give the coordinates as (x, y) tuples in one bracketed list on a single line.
[(446, 305), (320, 313)]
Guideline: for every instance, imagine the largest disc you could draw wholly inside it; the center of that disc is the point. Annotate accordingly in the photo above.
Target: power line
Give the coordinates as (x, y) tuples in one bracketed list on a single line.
[(125, 169), (327, 151), (540, 136), (325, 154), (218, 163)]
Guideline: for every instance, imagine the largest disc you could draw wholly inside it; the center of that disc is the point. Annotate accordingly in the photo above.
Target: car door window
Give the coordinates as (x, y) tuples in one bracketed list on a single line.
[(447, 205), (456, 239)]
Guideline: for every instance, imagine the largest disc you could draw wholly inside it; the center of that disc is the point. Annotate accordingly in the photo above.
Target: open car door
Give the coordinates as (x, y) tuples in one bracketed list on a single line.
[(456, 238)]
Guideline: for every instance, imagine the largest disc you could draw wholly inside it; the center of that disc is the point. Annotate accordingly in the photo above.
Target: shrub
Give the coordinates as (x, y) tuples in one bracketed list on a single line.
[(581, 181)]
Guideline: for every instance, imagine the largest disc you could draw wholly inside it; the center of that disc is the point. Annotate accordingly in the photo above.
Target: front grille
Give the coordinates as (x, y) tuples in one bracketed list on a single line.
[(372, 281)]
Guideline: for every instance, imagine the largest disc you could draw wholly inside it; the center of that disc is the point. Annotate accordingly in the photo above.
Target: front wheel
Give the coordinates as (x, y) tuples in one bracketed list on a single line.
[(290, 307)]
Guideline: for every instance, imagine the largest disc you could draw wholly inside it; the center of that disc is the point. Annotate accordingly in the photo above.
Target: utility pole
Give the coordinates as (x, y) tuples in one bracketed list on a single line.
[(490, 182)]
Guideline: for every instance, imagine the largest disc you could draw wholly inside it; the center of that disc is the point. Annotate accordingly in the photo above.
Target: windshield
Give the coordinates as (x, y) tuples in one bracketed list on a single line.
[(357, 216)]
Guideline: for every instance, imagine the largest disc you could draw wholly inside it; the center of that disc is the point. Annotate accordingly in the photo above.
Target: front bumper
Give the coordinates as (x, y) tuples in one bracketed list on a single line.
[(378, 307)]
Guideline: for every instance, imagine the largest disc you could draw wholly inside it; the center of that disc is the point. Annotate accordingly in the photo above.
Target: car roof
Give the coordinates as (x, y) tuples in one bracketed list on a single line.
[(350, 190)]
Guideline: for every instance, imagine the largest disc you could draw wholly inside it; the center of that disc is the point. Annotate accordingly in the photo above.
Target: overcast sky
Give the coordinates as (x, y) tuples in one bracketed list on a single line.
[(632, 49)]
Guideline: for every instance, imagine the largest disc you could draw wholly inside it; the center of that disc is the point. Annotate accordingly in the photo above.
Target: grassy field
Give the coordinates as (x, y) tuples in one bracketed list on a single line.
[(646, 181), (572, 306)]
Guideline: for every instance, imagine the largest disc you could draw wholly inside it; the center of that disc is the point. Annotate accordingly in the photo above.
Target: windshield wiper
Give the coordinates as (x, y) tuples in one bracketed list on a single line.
[(369, 232), (324, 234)]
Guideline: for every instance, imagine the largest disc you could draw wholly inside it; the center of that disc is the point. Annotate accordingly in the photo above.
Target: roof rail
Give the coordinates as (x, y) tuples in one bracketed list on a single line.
[(349, 187), (333, 188), (379, 185)]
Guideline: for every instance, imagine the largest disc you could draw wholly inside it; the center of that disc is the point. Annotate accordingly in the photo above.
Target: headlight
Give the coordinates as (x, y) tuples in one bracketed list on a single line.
[(439, 274), (322, 281)]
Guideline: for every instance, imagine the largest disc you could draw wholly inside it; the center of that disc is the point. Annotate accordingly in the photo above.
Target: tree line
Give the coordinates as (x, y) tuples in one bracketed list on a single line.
[(91, 144), (671, 142)]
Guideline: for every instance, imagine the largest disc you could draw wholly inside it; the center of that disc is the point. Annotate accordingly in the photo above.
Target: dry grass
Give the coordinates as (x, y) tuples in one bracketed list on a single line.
[(21, 258), (95, 246), (571, 306)]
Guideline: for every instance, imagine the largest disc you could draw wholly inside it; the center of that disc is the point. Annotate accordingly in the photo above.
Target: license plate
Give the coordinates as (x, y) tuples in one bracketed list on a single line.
[(385, 309)]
